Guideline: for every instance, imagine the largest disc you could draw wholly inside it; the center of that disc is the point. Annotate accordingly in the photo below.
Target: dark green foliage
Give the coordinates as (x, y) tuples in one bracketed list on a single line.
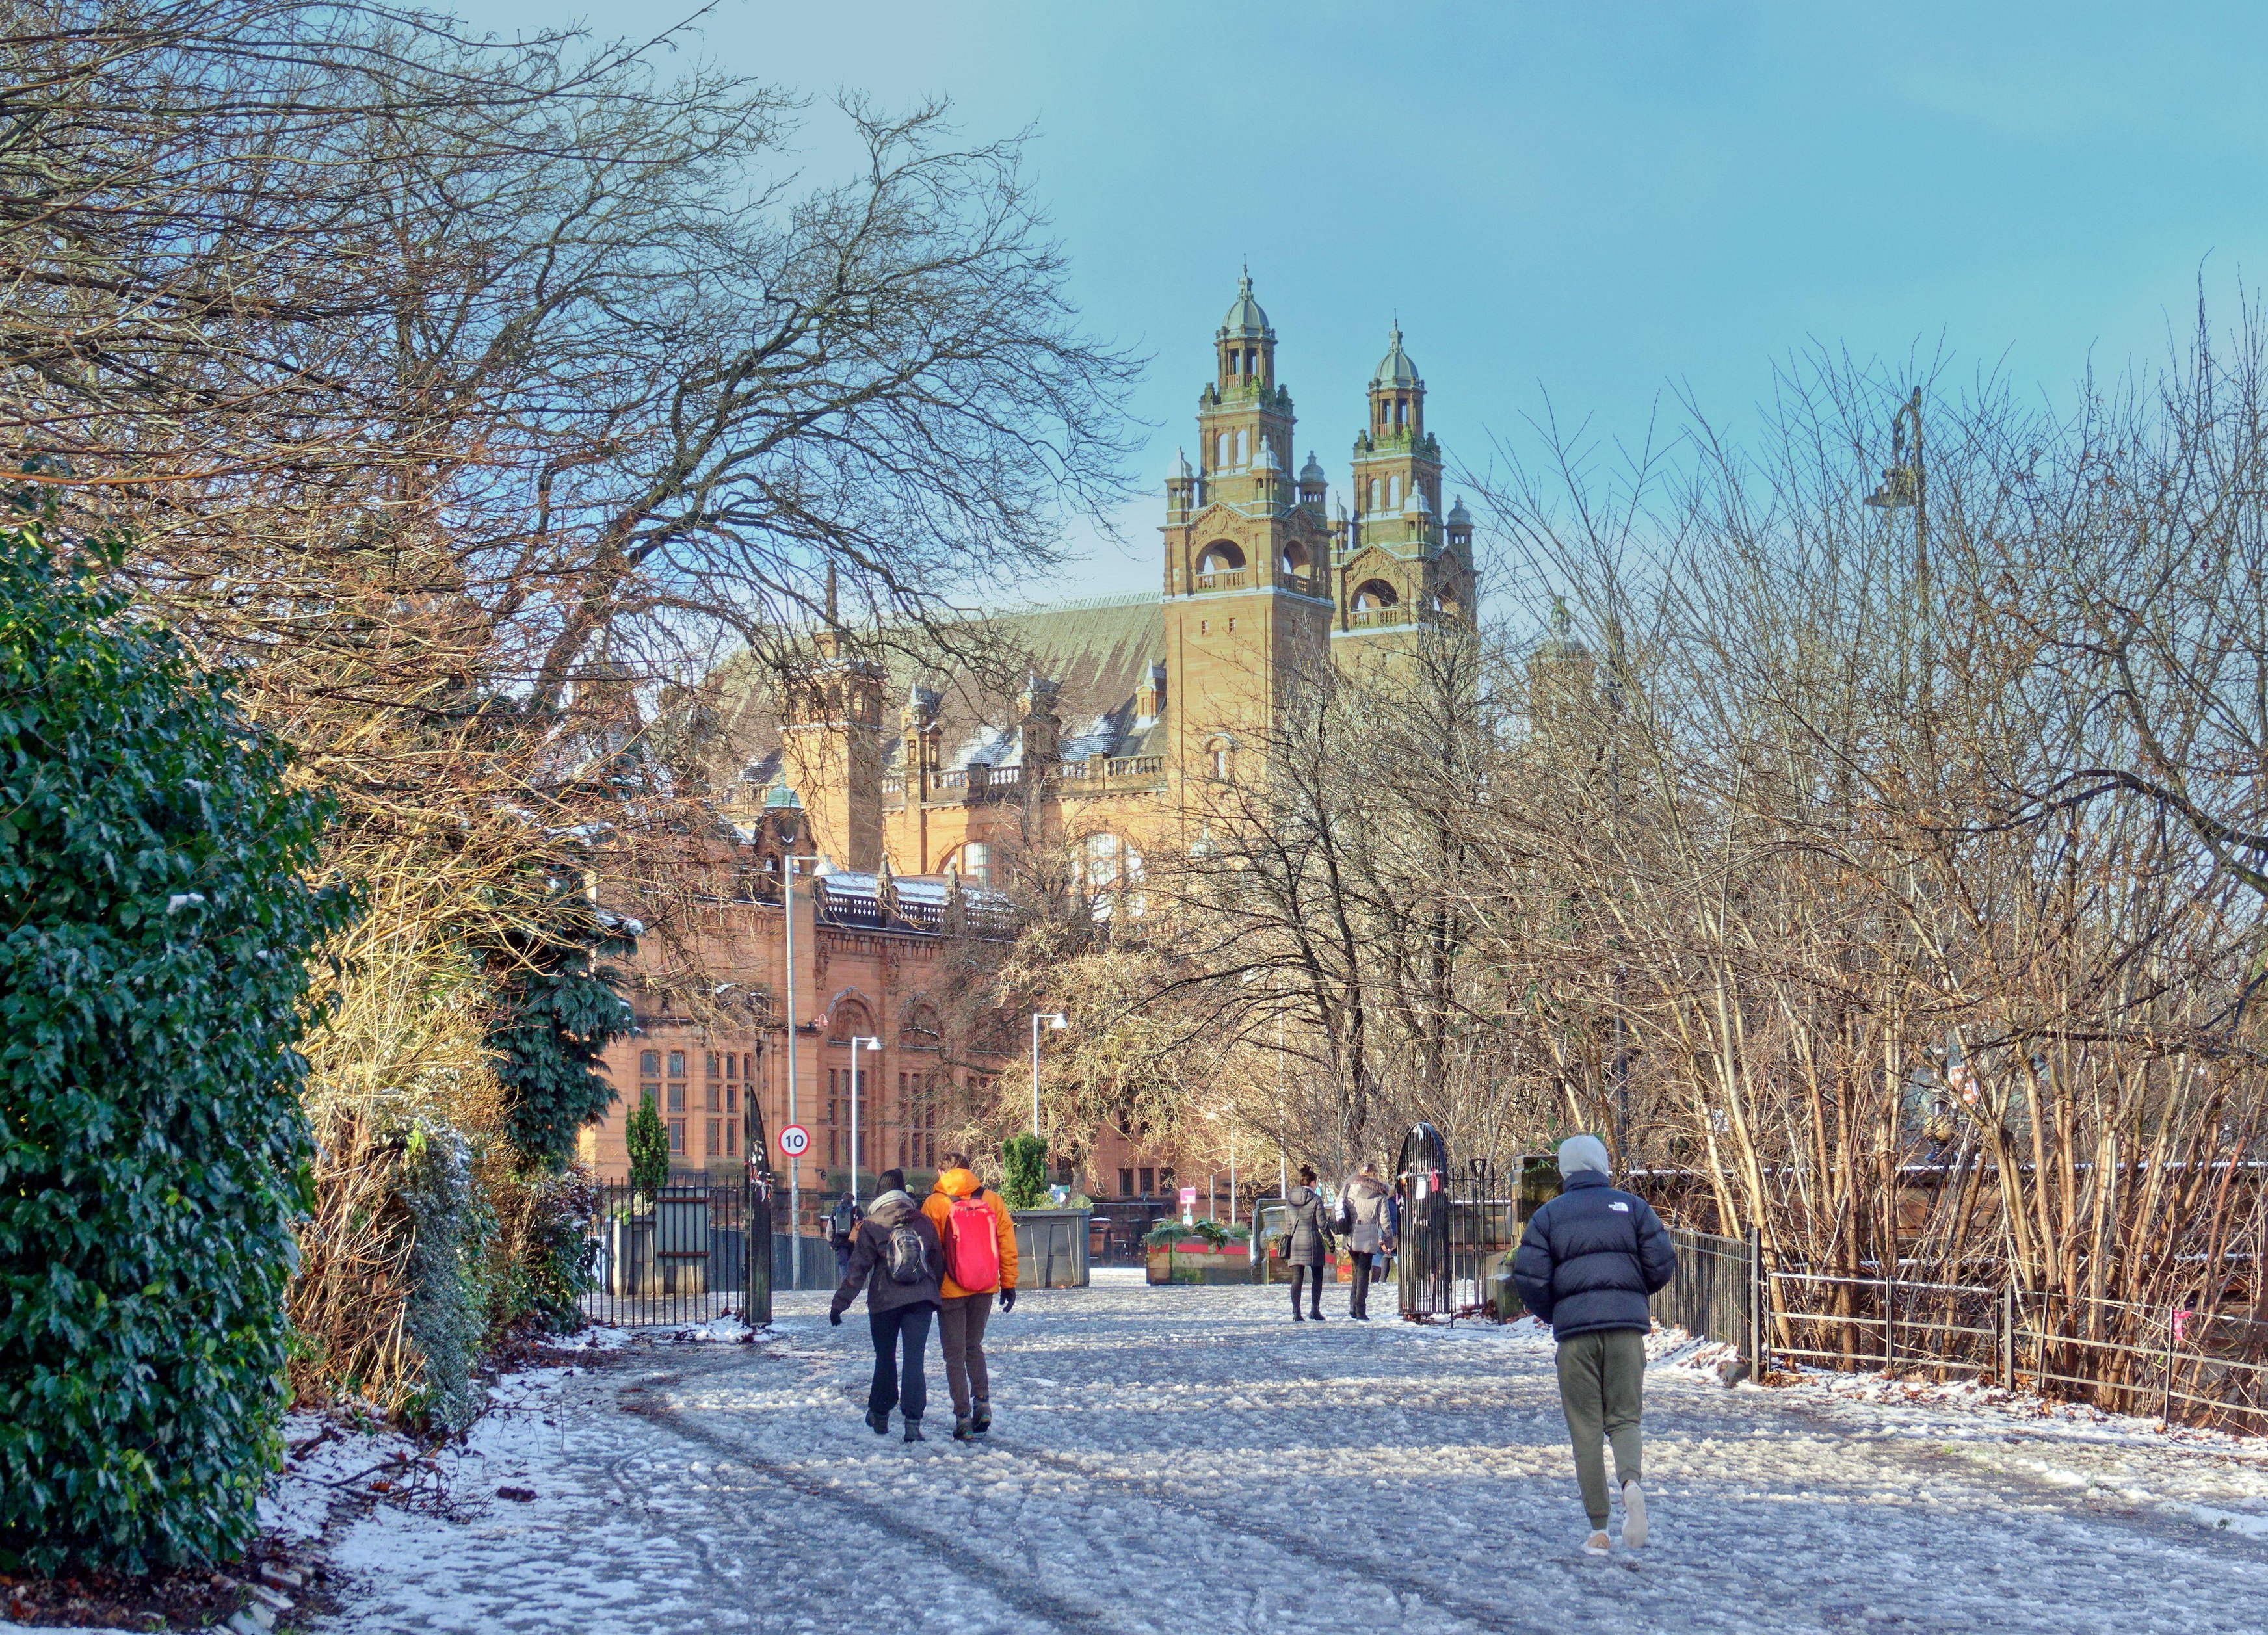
[(1024, 1166), (153, 1154), (550, 1214), (446, 1317), (559, 1009), (648, 1141)]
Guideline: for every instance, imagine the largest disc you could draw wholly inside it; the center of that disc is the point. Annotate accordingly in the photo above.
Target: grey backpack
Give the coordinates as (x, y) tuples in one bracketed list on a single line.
[(906, 1255)]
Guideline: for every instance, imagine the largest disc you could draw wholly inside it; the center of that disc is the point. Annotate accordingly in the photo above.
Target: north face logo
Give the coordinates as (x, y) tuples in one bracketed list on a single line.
[(1620, 1209)]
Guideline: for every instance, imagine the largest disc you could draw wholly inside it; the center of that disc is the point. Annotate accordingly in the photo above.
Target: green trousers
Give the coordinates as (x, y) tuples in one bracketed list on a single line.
[(1602, 1388)]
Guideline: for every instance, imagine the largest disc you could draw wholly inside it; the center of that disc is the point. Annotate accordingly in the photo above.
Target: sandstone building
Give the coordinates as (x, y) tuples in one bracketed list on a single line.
[(917, 789)]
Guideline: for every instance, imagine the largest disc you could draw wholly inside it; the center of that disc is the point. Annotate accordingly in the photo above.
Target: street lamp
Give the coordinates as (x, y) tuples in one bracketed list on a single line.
[(1905, 486), (1059, 1022), (872, 1044), (785, 813)]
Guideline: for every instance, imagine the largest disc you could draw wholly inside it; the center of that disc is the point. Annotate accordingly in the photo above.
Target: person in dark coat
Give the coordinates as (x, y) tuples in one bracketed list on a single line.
[(1309, 1243), (1587, 1263), (842, 1226), (898, 1312)]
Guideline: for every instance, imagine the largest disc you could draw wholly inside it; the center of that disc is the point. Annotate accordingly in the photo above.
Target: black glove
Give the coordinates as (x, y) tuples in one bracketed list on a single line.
[(834, 1317), (1008, 1299)]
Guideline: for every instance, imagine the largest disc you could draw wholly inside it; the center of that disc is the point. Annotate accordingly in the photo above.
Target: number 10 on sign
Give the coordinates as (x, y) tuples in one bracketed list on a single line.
[(794, 1141)]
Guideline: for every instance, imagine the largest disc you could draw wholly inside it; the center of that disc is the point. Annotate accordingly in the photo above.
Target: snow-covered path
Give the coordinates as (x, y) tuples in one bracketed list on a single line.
[(1188, 1460)]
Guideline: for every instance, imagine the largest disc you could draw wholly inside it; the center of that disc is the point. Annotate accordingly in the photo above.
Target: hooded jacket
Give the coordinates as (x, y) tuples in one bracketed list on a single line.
[(961, 1184), (1365, 1211), (870, 1259), (1591, 1257), (1310, 1232)]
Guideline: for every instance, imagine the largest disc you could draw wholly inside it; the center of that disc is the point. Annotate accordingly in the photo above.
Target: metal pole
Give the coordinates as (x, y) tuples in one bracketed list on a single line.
[(855, 1042), (795, 1160), (2007, 1337), (1759, 1304), (1035, 1073)]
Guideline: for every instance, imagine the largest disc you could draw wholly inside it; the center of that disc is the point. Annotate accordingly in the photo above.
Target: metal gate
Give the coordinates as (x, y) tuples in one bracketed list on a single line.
[(1425, 1273), (681, 1255)]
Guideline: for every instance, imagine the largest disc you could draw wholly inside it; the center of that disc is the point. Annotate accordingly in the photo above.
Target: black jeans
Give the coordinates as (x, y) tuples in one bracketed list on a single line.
[(1358, 1302), (1313, 1276), (898, 1382)]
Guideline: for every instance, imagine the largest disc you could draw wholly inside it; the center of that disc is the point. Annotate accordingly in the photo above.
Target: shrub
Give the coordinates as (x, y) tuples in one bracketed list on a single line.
[(1024, 1167), (557, 1010), (153, 1154), (648, 1142)]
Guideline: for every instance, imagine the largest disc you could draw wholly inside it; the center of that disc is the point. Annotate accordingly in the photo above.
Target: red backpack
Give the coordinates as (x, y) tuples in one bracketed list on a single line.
[(972, 1247)]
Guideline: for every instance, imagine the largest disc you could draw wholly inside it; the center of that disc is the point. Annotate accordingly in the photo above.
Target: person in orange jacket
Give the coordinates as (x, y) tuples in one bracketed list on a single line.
[(954, 1206)]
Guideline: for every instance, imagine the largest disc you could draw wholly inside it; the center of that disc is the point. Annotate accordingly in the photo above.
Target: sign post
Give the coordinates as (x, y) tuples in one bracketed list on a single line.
[(1188, 1206)]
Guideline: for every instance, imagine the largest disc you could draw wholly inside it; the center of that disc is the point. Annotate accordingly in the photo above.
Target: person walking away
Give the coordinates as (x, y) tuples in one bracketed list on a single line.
[(1585, 1265), (1362, 1219), (842, 1225), (896, 1258), (1309, 1241), (980, 1261)]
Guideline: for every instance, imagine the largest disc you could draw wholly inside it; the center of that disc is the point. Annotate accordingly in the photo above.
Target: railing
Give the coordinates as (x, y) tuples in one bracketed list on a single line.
[(1224, 579), (1135, 766), (1380, 618), (679, 1255)]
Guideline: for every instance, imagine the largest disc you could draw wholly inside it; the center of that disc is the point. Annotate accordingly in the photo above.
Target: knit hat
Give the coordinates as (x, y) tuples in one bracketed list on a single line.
[(1578, 1153)]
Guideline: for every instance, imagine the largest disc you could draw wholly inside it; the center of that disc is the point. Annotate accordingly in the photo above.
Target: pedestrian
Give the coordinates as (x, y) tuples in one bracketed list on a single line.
[(979, 1236), (1307, 1243), (1587, 1263), (1362, 1221), (895, 1256), (842, 1225)]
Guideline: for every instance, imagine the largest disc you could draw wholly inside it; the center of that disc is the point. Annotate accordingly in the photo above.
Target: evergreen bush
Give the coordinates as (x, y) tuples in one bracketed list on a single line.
[(558, 1011), (648, 1141), (1024, 1171), (153, 1153)]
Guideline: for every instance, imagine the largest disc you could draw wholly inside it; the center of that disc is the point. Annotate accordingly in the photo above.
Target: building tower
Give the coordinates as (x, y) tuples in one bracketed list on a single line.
[(1400, 564), (1247, 609)]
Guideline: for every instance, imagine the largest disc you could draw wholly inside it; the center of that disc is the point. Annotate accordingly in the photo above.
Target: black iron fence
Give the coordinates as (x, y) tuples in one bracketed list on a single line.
[(680, 1255)]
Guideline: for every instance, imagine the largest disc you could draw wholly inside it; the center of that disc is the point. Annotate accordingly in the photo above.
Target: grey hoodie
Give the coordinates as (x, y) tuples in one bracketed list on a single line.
[(870, 1258)]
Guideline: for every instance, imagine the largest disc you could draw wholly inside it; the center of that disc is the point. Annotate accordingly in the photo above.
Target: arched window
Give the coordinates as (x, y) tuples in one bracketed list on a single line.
[(850, 1020), (1244, 448), (1221, 448), (1221, 556), (1295, 559), (1374, 594), (1393, 491), (976, 862), (1373, 496), (1220, 755)]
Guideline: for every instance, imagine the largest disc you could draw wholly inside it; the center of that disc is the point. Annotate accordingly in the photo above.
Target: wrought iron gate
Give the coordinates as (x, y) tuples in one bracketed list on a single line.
[(681, 1255)]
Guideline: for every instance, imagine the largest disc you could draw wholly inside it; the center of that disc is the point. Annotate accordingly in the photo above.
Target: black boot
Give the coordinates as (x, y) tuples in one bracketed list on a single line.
[(981, 1421), (878, 1421), (913, 1432), (961, 1431)]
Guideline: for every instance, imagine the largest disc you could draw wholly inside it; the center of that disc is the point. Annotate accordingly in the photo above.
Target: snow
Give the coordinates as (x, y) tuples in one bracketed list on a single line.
[(1187, 1458)]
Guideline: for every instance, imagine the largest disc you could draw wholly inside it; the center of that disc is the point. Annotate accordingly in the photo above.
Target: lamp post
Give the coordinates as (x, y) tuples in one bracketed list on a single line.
[(1905, 486), (785, 812), (1057, 1021), (872, 1044)]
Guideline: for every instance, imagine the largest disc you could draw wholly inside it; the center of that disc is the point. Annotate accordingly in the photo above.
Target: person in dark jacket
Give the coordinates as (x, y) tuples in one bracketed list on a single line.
[(1309, 1243), (842, 1226), (1587, 1263), (898, 1312)]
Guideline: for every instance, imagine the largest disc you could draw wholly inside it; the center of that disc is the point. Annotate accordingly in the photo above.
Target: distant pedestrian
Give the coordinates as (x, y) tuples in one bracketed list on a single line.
[(979, 1236), (842, 1225), (1587, 1263), (896, 1258), (1308, 1244), (1362, 1219)]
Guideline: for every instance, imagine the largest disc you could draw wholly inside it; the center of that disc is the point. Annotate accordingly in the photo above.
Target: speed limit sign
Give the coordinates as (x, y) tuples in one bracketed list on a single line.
[(794, 1141)]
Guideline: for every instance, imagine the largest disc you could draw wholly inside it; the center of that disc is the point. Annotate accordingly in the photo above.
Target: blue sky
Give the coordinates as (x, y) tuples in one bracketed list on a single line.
[(1591, 205)]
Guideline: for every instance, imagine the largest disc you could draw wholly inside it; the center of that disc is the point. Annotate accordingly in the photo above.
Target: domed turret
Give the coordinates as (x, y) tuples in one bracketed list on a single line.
[(1395, 368), (1245, 321)]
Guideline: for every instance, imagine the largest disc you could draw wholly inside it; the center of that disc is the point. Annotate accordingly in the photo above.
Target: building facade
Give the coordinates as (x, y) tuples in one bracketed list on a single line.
[(916, 791)]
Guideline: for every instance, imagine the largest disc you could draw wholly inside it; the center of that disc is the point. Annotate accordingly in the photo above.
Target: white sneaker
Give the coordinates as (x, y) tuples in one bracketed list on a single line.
[(1633, 1514), (1598, 1543)]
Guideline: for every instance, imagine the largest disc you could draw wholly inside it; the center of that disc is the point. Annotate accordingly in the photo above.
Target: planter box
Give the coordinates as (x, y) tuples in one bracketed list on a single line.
[(1051, 1247), (1193, 1260)]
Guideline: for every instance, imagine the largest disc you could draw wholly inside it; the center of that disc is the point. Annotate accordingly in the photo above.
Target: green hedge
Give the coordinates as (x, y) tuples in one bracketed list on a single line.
[(153, 1154)]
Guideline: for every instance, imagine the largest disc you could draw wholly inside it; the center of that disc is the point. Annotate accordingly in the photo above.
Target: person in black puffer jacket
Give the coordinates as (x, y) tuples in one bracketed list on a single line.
[(897, 1313), (1587, 1263)]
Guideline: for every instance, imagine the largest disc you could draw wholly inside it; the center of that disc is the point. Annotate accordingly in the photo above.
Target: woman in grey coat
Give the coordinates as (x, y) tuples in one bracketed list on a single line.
[(1362, 1217), (1310, 1241)]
